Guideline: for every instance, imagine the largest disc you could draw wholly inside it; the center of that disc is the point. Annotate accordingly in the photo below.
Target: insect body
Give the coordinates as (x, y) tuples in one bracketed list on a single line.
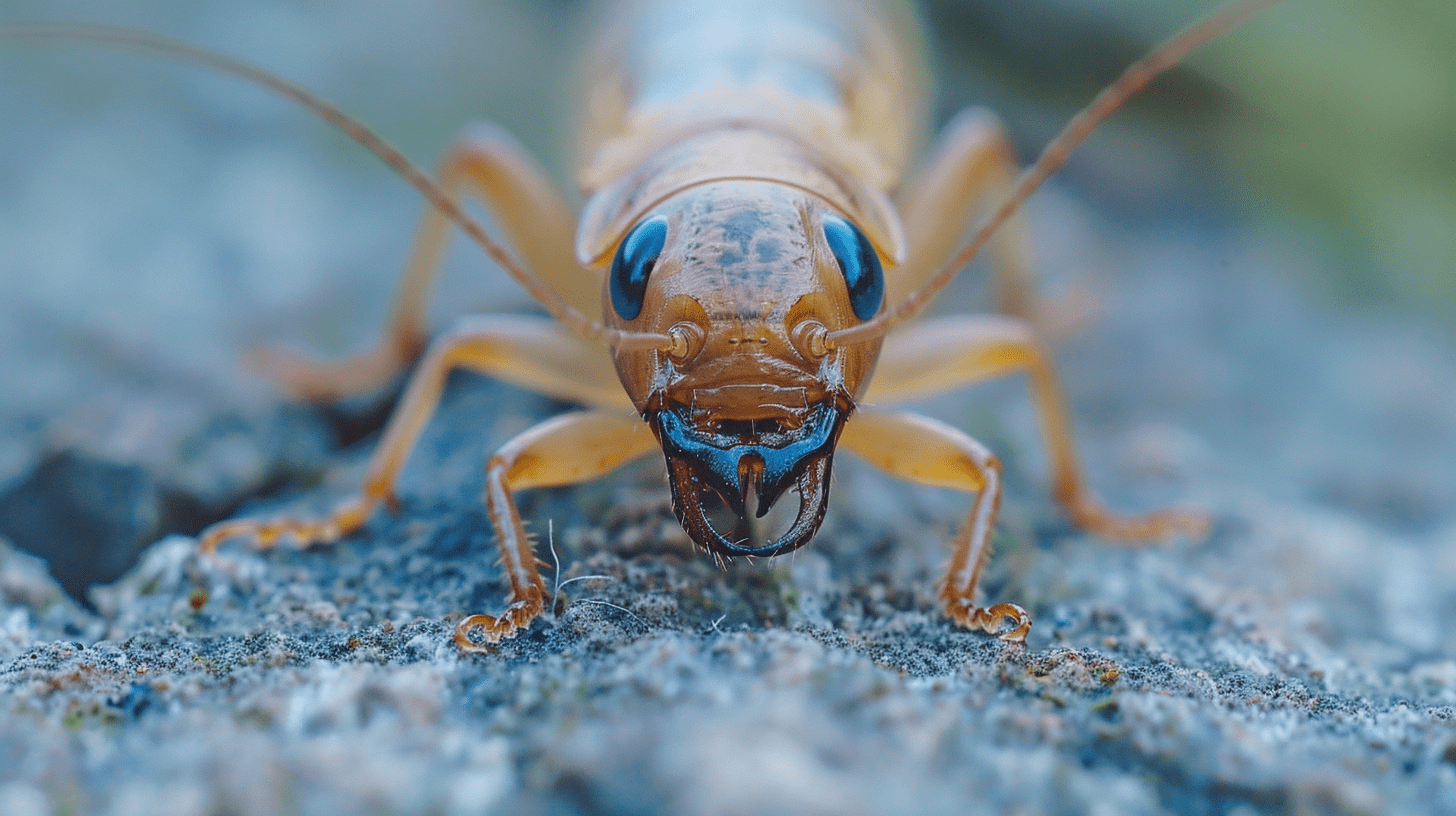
[(745, 167), (752, 232)]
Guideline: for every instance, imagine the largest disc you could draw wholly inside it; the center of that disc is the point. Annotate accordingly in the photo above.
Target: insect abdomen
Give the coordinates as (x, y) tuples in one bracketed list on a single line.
[(846, 77)]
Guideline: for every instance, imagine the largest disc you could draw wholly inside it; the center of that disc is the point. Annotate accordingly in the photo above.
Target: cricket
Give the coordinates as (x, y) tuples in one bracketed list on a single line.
[(740, 292)]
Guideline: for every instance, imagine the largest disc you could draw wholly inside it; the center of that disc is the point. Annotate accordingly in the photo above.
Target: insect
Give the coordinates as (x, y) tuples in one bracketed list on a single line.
[(754, 229)]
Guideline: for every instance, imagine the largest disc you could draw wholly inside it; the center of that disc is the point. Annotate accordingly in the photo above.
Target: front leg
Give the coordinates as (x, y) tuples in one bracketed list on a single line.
[(932, 453), (568, 449)]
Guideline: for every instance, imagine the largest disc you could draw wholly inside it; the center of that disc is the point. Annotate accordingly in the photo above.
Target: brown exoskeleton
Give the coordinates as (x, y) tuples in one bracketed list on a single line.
[(750, 237)]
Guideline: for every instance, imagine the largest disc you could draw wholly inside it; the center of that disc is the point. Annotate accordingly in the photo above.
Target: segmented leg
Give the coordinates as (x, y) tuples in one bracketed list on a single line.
[(971, 168), (972, 165), (489, 164), (531, 352), (946, 353), (568, 449), (929, 452)]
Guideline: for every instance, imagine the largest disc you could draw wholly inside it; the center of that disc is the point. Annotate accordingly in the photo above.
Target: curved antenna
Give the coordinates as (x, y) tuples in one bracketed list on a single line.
[(578, 322), (1171, 52)]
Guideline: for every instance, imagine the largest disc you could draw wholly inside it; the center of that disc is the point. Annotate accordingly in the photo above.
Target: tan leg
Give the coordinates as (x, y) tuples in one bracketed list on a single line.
[(528, 351), (568, 449), (946, 353), (489, 164), (971, 167), (932, 453)]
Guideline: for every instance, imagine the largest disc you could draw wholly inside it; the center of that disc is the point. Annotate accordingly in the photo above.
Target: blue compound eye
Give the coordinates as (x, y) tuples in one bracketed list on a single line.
[(859, 263), (633, 265)]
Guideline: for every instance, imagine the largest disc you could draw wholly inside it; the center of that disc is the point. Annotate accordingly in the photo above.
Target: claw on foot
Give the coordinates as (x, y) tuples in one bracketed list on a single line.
[(345, 519), (992, 621), (489, 630)]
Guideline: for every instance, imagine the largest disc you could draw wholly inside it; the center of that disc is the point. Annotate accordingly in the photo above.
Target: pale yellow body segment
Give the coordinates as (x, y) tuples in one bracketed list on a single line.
[(850, 79)]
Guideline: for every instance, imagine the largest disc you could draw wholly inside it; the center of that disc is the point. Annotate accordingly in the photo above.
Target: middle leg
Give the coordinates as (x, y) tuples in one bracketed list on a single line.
[(951, 352), (527, 351)]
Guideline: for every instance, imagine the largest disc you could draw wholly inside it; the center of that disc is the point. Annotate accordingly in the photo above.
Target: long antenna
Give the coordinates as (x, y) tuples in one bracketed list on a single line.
[(1171, 52), (572, 318)]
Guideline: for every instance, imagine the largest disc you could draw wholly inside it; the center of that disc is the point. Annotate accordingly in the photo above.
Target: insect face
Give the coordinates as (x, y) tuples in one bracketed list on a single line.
[(748, 278)]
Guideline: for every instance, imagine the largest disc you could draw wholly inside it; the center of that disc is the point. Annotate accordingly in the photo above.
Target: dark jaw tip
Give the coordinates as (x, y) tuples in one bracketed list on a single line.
[(813, 488), (700, 463)]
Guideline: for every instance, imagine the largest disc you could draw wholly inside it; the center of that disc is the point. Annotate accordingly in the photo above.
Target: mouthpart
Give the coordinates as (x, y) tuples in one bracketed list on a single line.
[(749, 470)]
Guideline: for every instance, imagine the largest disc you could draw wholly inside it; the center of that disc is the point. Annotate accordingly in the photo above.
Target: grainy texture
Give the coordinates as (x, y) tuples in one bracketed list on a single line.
[(1298, 661)]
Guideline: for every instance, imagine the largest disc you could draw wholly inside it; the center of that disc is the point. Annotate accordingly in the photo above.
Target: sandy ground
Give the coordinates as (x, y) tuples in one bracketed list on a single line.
[(156, 224)]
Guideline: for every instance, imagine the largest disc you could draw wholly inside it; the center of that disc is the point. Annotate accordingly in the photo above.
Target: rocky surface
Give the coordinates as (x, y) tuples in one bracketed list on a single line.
[(1297, 661)]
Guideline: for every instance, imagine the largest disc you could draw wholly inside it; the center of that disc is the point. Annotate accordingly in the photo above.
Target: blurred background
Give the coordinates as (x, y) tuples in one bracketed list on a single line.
[(1328, 124)]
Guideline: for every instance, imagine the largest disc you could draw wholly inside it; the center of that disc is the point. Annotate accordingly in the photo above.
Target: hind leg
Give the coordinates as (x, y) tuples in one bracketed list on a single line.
[(972, 166), (491, 166), (952, 352)]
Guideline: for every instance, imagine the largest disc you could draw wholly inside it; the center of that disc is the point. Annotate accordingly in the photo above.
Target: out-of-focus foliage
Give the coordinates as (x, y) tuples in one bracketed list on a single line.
[(1336, 119), (1353, 122)]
